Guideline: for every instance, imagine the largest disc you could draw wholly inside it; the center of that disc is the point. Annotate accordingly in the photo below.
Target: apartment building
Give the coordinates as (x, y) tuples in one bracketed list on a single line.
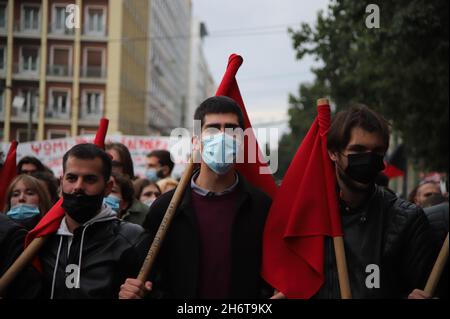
[(58, 78)]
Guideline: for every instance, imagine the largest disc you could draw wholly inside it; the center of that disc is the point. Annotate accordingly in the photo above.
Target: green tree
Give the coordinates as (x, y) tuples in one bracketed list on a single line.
[(400, 69), (302, 112)]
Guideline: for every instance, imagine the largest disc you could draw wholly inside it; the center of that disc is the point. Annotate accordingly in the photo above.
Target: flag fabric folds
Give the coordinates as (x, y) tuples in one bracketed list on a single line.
[(251, 170), (304, 211), (8, 172), (396, 163)]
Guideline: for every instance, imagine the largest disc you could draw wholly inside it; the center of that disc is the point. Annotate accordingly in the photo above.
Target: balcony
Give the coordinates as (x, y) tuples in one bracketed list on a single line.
[(93, 72), (90, 118), (57, 32), (23, 116), (59, 70), (93, 75), (21, 73), (28, 32), (50, 113)]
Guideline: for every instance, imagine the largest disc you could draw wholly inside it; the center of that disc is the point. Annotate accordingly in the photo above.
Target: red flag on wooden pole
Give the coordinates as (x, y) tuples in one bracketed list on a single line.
[(251, 171), (304, 211)]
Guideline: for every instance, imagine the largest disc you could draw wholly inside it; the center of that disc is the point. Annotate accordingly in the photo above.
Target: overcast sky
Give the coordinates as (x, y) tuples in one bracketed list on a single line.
[(257, 30)]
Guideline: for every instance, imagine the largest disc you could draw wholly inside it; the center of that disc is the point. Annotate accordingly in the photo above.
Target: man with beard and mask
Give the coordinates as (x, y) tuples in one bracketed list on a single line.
[(388, 242), (159, 165), (93, 251), (213, 246)]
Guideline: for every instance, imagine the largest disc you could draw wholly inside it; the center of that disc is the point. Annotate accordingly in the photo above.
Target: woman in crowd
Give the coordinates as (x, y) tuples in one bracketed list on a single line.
[(146, 191), (27, 200)]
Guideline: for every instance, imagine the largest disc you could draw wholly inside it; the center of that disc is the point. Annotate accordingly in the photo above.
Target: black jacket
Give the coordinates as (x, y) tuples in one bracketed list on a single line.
[(390, 234), (438, 218), (28, 282), (177, 266), (109, 254)]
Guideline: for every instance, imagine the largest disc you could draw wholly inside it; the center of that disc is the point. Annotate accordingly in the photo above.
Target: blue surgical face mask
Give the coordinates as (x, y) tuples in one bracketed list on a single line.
[(152, 174), (23, 211), (113, 202), (219, 152), (148, 202)]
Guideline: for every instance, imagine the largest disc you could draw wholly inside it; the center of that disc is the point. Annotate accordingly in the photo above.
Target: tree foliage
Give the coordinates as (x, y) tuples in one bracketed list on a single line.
[(400, 69)]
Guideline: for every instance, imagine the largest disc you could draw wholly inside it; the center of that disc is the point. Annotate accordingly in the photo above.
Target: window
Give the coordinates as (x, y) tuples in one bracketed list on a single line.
[(3, 16), (30, 101), (2, 57), (29, 59), (94, 62), (30, 17), (22, 135), (60, 61), (59, 103), (59, 18), (52, 134), (95, 20), (93, 104)]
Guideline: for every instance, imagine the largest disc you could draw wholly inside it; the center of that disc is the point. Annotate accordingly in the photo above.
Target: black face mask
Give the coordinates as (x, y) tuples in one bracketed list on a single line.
[(364, 167), (82, 207)]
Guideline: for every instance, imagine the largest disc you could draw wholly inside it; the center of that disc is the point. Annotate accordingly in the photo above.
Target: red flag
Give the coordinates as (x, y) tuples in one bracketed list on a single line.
[(8, 172), (396, 163), (304, 211), (251, 171), (49, 224)]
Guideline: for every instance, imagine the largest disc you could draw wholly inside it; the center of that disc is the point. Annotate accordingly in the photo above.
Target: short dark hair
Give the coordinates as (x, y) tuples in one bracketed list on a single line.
[(358, 115), (90, 151), (30, 160), (126, 186), (164, 158), (218, 105), (125, 157)]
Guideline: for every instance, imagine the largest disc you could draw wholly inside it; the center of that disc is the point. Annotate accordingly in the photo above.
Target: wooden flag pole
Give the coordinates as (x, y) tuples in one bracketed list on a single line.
[(20, 263), (438, 268), (165, 223), (339, 250), (341, 263)]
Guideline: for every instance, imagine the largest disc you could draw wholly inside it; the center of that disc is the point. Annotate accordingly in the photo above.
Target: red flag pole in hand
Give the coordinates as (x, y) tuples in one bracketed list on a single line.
[(47, 225), (8, 172), (304, 212)]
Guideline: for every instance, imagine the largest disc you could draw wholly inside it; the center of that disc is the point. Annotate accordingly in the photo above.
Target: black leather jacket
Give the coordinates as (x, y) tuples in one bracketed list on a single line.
[(27, 284), (107, 253), (388, 234)]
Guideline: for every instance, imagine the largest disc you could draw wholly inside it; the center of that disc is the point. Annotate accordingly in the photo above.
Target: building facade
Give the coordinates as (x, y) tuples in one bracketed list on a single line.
[(168, 70), (201, 83), (64, 64), (64, 67)]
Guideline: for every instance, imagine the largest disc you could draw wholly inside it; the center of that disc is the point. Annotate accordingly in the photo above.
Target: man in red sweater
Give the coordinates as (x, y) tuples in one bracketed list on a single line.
[(214, 244)]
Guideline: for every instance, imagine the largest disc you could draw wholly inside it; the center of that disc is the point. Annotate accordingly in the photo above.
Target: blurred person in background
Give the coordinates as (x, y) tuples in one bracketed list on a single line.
[(146, 191), (123, 201), (422, 191), (27, 200), (159, 165), (167, 184), (30, 164), (51, 183), (121, 159)]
